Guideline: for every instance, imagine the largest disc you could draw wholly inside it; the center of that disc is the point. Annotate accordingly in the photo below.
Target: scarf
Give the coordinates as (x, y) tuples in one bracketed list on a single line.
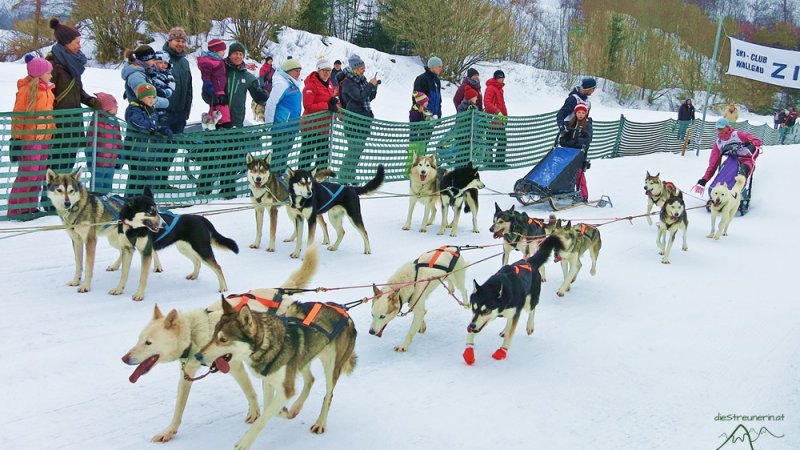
[(361, 82), (474, 84), (75, 63)]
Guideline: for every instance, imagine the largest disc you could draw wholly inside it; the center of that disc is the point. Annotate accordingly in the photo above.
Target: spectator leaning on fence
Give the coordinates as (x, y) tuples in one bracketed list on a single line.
[(69, 63), (495, 103), (143, 144), (318, 96), (108, 144), (356, 95), (34, 96), (285, 104)]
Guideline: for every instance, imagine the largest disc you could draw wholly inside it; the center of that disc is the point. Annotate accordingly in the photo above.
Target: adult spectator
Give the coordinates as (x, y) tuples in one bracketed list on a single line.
[(577, 94), (429, 85), (138, 69), (473, 80), (356, 95), (284, 105), (180, 103), (240, 82), (337, 69), (495, 103), (265, 74), (318, 95), (685, 117), (778, 118), (68, 63), (788, 124), (731, 113)]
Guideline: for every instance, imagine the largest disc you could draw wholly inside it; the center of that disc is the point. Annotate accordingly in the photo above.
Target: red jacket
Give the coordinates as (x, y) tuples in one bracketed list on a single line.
[(316, 94), (108, 131), (493, 100)]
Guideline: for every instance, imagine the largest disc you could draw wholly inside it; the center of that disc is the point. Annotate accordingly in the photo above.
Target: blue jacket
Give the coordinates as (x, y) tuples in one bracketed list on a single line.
[(141, 117), (134, 74), (431, 85), (285, 101)]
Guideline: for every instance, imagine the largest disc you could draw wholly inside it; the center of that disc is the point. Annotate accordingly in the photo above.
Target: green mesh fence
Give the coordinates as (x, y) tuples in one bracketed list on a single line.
[(199, 166)]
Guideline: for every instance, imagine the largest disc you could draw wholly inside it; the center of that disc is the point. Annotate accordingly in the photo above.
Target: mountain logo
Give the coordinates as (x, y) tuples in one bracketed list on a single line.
[(745, 437)]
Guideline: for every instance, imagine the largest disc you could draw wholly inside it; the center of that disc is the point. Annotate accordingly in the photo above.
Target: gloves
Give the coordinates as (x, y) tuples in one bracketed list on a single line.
[(166, 131), (333, 104), (220, 99), (702, 182), (586, 165), (561, 128), (208, 88)]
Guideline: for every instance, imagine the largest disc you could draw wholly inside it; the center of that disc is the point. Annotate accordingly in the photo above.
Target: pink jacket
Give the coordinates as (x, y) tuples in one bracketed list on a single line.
[(716, 151), (213, 69), (110, 132)]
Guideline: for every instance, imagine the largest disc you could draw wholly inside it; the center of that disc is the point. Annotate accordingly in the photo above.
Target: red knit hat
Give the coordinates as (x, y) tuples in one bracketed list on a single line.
[(581, 107), (470, 92), (216, 45)]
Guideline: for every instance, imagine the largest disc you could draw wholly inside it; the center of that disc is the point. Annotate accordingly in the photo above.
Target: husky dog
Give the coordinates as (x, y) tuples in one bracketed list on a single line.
[(577, 239), (310, 198), (209, 121), (724, 203), (180, 335), (268, 189), (402, 289), (519, 232), (657, 192), (258, 111), (673, 218), (83, 212), (424, 187), (143, 228), (513, 289), (460, 187), (280, 348)]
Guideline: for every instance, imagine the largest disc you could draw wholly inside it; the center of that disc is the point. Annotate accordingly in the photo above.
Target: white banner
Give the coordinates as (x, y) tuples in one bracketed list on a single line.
[(765, 64)]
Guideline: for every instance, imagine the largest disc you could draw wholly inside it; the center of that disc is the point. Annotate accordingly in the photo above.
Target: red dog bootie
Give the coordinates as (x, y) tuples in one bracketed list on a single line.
[(469, 355), (500, 353)]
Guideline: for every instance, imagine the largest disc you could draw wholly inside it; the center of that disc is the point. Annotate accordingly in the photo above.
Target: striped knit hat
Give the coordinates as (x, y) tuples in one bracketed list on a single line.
[(216, 45), (145, 90), (420, 99)]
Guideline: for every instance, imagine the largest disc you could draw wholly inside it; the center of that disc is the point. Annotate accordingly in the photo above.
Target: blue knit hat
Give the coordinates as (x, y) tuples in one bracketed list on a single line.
[(722, 123), (588, 83)]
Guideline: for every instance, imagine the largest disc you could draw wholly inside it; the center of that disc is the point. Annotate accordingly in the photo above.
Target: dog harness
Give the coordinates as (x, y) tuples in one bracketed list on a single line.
[(172, 219), (106, 201), (331, 194), (437, 253), (272, 304), (282, 181)]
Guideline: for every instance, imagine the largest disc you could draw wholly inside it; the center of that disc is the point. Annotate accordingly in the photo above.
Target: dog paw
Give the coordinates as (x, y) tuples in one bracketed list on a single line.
[(112, 268), (529, 331), (401, 348), (423, 328), (289, 239), (560, 293), (440, 232), (469, 356), (165, 436), (332, 248), (406, 227), (716, 237), (74, 282), (83, 289), (318, 428), (252, 416), (158, 269), (500, 354), (685, 247), (476, 231), (116, 291), (710, 236), (192, 276), (423, 230), (137, 297), (254, 245), (502, 334), (661, 252), (466, 305), (664, 261), (453, 234), (288, 414), (294, 255)]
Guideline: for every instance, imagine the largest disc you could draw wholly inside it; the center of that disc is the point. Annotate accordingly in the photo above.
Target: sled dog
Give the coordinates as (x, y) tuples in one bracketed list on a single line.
[(657, 192), (280, 348), (673, 218), (84, 211), (269, 190), (445, 261), (513, 289), (459, 187), (143, 227), (519, 232), (423, 187), (724, 203), (310, 198), (179, 335), (576, 239)]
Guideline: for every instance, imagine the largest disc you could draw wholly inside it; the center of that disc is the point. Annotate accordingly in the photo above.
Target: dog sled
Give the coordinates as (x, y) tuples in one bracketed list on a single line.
[(734, 153), (554, 180)]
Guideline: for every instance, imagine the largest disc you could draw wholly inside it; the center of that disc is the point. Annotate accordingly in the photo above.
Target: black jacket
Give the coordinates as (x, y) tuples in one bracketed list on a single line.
[(686, 112)]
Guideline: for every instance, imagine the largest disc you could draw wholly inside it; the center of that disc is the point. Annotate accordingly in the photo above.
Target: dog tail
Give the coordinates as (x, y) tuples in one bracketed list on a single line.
[(350, 365), (373, 184), (545, 249), (219, 240), (322, 174), (302, 276), (740, 181)]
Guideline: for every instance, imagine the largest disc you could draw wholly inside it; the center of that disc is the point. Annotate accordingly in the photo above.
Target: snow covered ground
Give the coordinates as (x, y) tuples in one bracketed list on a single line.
[(641, 356)]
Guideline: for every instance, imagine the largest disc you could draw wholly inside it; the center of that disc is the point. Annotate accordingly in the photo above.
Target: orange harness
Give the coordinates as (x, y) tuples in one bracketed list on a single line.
[(272, 305), (520, 267), (432, 263)]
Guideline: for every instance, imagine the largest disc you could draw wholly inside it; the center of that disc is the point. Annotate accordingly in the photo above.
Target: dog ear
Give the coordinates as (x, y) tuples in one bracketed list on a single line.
[(497, 208), (77, 172), (512, 208), (249, 158), (475, 285), (157, 312), (417, 157), (245, 318), (227, 308), (171, 320), (289, 172), (569, 224), (551, 219), (147, 192), (375, 290), (648, 174), (51, 176), (269, 158)]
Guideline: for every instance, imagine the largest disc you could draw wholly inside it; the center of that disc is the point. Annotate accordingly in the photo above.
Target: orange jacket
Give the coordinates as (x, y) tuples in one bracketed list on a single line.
[(44, 102)]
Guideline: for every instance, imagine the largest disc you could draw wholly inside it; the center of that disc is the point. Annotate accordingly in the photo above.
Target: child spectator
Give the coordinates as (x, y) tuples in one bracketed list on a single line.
[(162, 75), (142, 121), (34, 96), (215, 79), (108, 143)]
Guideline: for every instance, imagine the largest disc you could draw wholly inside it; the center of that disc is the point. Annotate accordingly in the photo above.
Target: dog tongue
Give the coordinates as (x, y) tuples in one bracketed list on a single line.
[(422, 177), (143, 368), (222, 365)]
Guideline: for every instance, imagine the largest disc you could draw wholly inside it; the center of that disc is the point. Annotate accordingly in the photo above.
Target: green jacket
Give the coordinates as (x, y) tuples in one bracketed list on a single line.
[(240, 81), (181, 99)]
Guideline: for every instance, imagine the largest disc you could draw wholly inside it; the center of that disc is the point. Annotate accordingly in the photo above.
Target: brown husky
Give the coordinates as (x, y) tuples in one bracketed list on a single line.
[(179, 335), (424, 187), (673, 218), (280, 348), (657, 192), (577, 239)]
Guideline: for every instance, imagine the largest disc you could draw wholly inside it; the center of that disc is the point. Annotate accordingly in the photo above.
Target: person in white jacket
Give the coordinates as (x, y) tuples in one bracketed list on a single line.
[(283, 110)]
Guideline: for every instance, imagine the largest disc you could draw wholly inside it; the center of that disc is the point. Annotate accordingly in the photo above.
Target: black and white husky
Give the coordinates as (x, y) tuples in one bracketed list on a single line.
[(310, 198), (513, 289), (459, 187)]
